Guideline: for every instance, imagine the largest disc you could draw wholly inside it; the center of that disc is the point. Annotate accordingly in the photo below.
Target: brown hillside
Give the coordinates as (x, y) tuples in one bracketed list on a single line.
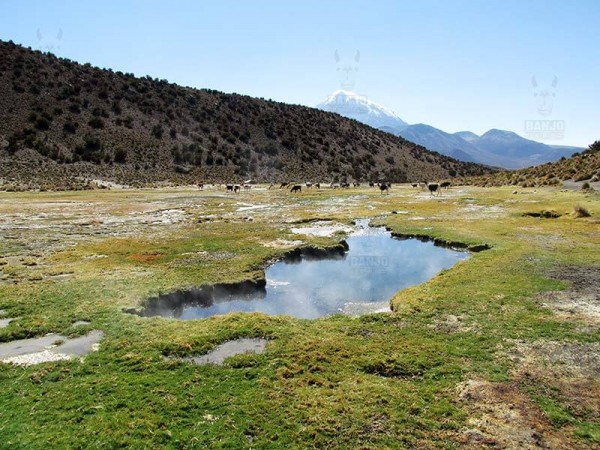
[(584, 166), (62, 123)]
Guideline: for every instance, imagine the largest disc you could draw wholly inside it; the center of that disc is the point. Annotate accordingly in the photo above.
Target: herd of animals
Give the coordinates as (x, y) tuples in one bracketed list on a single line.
[(384, 186)]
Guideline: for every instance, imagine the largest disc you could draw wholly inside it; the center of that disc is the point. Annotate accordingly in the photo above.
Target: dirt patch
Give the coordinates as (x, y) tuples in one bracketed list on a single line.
[(581, 301), (482, 212), (560, 373), (542, 359), (506, 414), (502, 416), (246, 207), (282, 243), (451, 324), (200, 257), (323, 229)]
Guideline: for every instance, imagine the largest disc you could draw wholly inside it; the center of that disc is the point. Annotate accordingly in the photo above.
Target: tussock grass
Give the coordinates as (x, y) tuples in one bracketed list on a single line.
[(580, 211)]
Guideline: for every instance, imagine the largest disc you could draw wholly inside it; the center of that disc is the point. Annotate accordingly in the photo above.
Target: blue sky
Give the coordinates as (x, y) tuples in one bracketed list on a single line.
[(454, 64)]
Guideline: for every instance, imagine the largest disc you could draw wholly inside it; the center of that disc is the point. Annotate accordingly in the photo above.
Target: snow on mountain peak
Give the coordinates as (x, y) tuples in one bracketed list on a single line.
[(355, 106)]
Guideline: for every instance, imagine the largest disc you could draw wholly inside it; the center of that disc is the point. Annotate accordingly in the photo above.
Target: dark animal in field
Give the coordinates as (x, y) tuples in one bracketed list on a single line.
[(201, 186), (229, 187), (445, 184), (345, 185), (318, 185), (415, 185), (433, 187), (284, 185), (296, 188), (308, 185), (356, 184), (384, 187), (371, 184), (236, 188)]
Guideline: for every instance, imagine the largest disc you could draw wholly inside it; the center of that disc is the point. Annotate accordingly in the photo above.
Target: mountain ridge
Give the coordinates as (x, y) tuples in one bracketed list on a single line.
[(580, 167), (495, 147), (63, 123)]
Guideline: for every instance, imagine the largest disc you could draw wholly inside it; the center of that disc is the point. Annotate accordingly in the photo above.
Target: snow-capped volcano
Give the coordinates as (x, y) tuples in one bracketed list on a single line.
[(355, 106), (496, 147)]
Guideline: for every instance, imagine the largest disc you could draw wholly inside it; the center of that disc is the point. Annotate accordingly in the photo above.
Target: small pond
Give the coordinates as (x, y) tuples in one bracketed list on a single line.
[(361, 280)]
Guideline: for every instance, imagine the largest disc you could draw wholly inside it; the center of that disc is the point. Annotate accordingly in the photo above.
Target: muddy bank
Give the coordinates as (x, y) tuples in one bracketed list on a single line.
[(335, 251), (439, 242), (173, 304)]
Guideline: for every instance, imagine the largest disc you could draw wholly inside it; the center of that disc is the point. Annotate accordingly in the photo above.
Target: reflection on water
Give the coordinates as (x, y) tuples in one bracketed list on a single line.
[(371, 272)]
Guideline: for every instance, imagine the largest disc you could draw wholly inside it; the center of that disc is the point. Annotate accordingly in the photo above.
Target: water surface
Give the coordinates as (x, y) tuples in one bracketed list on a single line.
[(360, 281)]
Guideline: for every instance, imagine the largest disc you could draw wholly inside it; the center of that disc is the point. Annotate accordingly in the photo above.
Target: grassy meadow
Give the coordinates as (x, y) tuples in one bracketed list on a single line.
[(501, 350)]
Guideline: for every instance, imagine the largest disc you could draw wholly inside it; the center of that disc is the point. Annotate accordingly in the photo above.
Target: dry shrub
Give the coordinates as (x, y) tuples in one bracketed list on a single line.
[(580, 211)]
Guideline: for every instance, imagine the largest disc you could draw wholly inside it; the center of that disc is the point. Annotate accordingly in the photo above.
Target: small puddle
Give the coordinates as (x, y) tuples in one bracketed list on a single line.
[(226, 350), (52, 347), (358, 281), (6, 322)]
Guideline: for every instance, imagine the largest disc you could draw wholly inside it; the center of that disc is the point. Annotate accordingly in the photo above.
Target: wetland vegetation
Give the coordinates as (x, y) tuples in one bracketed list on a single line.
[(501, 349)]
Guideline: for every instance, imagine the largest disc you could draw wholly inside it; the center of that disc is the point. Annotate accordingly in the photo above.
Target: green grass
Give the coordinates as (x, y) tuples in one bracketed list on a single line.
[(377, 381)]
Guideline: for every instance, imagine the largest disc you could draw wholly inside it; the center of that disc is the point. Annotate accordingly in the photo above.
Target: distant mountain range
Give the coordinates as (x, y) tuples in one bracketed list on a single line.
[(495, 147)]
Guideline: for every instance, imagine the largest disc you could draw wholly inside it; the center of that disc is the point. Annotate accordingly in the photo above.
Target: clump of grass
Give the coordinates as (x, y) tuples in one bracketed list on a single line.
[(580, 211), (586, 186)]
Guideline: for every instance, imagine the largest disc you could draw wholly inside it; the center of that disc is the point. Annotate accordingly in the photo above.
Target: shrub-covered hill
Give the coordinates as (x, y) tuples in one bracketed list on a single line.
[(62, 122), (584, 166)]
